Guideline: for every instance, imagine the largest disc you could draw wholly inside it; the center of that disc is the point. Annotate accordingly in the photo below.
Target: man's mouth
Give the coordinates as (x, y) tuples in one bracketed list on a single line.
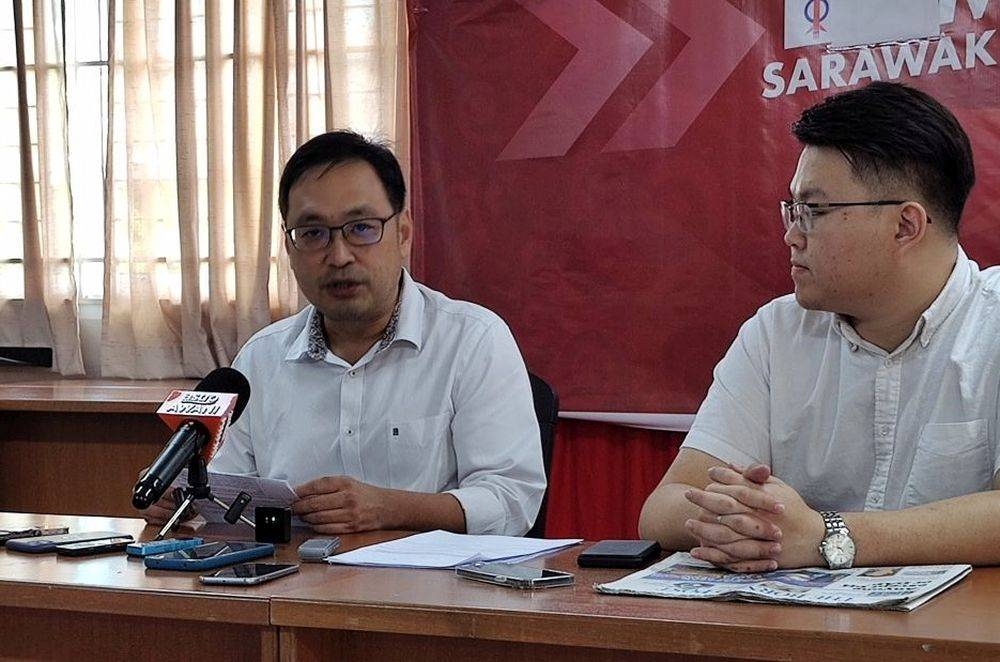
[(341, 287)]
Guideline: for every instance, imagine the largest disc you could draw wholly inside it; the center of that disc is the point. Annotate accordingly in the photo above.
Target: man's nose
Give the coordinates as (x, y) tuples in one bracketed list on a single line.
[(339, 252), (794, 236)]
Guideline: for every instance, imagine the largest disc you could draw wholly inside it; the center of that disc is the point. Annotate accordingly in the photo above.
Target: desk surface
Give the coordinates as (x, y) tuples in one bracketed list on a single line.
[(42, 390), (962, 623)]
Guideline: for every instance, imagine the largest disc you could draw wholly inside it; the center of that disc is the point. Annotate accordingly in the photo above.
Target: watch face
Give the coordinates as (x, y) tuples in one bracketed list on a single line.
[(839, 550)]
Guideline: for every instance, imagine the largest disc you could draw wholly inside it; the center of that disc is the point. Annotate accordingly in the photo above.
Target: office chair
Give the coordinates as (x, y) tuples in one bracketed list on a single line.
[(547, 410)]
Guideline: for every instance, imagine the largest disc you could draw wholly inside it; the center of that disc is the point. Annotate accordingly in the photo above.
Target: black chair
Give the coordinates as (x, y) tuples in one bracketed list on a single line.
[(547, 411)]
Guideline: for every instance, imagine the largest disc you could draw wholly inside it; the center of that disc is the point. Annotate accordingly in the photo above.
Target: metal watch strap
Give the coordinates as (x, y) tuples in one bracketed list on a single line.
[(833, 522)]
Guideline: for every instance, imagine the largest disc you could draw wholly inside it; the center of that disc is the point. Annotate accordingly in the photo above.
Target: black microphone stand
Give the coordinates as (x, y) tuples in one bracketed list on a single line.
[(198, 488)]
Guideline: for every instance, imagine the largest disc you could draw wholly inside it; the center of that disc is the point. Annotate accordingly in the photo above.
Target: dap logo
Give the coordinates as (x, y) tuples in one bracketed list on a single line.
[(856, 23), (816, 12)]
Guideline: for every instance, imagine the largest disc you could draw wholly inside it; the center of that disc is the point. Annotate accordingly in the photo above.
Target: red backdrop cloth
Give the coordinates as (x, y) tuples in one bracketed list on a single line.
[(605, 174), (601, 475)]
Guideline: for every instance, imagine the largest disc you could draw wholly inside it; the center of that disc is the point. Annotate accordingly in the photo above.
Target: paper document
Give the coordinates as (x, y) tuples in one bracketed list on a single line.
[(441, 549), (262, 491), (900, 588)]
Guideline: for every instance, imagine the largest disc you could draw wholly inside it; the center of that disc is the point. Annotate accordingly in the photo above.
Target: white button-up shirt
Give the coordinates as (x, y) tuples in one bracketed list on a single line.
[(852, 427), (445, 407)]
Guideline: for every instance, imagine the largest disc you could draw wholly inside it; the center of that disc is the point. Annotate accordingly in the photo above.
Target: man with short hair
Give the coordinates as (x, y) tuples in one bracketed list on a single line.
[(855, 422), (387, 404)]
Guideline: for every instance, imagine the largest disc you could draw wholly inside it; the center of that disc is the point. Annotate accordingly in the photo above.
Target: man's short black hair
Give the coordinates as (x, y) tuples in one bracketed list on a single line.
[(892, 131), (336, 147)]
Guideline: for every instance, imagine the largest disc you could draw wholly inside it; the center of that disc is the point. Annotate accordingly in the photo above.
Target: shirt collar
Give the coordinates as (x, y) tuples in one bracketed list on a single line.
[(411, 314), (932, 318), (406, 324), (949, 298)]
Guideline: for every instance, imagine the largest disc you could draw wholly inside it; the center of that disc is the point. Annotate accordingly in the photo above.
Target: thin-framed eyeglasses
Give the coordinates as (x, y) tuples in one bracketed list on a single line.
[(359, 232), (804, 214)]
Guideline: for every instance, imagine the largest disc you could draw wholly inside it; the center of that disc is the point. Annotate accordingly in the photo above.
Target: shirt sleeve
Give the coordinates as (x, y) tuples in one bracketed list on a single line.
[(733, 422), (501, 478), (235, 455)]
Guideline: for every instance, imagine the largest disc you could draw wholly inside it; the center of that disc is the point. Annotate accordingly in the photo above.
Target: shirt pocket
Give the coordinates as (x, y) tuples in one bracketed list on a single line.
[(952, 459), (419, 452)]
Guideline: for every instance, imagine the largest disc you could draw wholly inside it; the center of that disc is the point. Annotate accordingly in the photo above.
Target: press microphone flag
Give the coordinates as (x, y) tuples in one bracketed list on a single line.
[(211, 410), (199, 419)]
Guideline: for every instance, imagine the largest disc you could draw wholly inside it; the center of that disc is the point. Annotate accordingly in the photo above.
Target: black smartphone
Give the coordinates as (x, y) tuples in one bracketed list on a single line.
[(90, 547), (619, 554), (30, 532), (246, 574)]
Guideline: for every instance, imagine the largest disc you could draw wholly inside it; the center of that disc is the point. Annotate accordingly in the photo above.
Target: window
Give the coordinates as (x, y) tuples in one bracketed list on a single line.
[(86, 90), (360, 26)]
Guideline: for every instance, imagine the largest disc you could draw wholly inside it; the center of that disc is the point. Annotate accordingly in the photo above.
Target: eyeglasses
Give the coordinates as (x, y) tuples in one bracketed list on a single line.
[(362, 232), (804, 214)]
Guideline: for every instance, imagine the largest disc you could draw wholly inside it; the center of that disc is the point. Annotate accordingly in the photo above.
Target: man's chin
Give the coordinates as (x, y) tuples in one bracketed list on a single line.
[(807, 301)]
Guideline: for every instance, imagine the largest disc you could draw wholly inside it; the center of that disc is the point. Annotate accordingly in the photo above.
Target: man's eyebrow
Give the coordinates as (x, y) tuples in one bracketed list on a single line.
[(310, 218), (805, 195), (360, 210)]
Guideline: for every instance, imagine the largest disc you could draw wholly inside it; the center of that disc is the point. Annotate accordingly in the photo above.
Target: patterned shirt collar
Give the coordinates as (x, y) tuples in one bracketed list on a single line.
[(317, 347)]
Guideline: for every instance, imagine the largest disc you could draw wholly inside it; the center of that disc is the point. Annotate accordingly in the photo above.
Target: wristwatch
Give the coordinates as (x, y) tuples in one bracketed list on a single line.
[(837, 547)]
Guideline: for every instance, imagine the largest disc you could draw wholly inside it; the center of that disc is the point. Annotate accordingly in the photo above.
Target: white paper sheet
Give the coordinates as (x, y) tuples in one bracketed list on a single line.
[(441, 549), (262, 491)]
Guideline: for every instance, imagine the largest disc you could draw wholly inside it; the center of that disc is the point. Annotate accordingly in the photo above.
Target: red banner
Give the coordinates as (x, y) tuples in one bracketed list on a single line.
[(605, 174)]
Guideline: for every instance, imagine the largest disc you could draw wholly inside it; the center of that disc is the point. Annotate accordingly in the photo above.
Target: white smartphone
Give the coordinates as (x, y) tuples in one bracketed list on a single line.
[(246, 574), (514, 576)]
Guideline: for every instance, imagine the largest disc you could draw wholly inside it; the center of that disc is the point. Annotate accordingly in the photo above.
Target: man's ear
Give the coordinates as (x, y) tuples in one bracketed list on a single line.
[(405, 232), (911, 224)]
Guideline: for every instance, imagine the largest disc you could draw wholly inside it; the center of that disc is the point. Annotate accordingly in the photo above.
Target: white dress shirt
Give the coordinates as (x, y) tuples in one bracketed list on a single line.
[(852, 427), (444, 406)]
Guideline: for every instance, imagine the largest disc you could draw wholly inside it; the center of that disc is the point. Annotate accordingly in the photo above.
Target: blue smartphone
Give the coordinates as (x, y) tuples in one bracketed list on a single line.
[(209, 556), (150, 547)]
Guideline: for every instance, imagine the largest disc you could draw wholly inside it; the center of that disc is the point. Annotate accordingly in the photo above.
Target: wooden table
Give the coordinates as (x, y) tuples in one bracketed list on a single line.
[(432, 616), (76, 446), (110, 607)]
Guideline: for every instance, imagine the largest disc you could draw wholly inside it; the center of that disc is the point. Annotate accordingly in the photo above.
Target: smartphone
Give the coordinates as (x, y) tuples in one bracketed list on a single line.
[(514, 576), (246, 574), (149, 547), (30, 532), (89, 547), (48, 543), (209, 556), (619, 554)]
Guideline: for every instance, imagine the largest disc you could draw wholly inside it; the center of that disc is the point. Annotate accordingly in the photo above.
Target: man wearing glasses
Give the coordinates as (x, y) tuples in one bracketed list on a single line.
[(855, 422), (387, 404)]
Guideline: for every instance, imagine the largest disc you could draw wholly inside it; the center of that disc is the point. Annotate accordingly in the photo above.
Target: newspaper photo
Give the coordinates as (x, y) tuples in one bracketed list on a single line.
[(900, 588)]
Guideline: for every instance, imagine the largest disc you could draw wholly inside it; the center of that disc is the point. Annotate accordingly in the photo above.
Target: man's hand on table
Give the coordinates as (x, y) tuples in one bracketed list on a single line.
[(751, 521)]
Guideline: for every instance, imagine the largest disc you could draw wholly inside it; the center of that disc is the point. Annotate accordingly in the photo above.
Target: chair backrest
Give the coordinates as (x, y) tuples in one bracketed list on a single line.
[(547, 410)]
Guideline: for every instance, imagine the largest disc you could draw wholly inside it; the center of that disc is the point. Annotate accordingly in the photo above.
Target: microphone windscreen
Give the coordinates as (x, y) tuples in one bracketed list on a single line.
[(227, 380)]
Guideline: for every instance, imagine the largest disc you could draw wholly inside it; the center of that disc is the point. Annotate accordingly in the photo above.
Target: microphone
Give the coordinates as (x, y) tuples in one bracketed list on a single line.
[(199, 419)]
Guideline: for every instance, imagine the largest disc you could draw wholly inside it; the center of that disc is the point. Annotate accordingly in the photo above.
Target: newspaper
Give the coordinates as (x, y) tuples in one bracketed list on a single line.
[(900, 588)]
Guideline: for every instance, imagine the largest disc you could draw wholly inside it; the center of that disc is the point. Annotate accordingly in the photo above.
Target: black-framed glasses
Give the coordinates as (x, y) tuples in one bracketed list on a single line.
[(804, 214), (359, 232)]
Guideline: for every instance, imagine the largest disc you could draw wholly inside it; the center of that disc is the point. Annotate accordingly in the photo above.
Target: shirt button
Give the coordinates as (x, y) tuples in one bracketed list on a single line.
[(888, 363), (854, 347), (884, 431), (353, 373), (350, 431)]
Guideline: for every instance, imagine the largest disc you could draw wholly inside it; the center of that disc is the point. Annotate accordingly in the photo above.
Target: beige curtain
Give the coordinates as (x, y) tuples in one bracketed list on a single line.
[(47, 315), (207, 100)]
